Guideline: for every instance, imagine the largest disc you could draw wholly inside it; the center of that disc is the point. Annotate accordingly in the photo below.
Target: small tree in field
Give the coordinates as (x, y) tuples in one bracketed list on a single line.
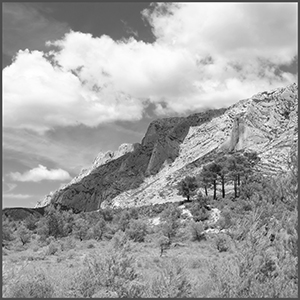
[(187, 187), (24, 234), (99, 229), (137, 230), (80, 228), (164, 244)]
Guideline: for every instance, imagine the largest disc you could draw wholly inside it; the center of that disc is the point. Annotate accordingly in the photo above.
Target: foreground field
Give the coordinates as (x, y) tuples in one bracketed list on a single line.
[(217, 265)]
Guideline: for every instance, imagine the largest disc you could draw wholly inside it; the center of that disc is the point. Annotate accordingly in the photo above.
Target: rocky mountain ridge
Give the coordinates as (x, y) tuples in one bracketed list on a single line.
[(101, 159), (175, 147)]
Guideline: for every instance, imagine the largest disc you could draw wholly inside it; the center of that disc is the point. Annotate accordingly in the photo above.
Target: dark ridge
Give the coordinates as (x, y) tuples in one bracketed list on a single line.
[(21, 213)]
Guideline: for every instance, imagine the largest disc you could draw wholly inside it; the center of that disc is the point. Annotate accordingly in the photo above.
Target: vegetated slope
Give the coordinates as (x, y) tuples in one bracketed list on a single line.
[(175, 147), (21, 213)]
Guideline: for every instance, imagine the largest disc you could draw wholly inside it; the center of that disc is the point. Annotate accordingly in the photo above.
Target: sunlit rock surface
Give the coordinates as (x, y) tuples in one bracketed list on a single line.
[(173, 148)]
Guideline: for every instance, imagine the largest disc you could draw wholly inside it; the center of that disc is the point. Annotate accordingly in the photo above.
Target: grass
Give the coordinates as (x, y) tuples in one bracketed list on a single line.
[(241, 263)]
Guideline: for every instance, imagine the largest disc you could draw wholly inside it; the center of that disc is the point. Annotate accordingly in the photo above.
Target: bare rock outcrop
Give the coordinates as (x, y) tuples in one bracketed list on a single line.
[(175, 147)]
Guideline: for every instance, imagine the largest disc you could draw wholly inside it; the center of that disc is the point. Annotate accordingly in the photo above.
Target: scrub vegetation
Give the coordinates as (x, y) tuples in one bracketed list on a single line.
[(250, 251)]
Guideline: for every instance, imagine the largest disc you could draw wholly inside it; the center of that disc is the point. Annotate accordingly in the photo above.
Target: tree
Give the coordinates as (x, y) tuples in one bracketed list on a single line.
[(137, 230), (212, 170), (7, 232), (164, 244), (124, 220), (171, 221), (203, 181), (222, 171), (80, 228), (24, 234), (187, 187), (54, 221), (99, 229), (30, 222)]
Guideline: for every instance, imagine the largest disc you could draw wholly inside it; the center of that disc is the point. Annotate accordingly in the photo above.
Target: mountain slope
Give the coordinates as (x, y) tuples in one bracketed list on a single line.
[(175, 147)]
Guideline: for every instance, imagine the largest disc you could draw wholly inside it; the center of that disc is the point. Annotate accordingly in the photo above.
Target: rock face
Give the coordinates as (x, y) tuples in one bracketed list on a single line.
[(176, 147), (101, 159)]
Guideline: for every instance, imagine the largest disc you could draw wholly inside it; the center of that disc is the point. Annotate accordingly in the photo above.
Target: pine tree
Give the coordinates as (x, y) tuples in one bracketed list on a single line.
[(187, 187)]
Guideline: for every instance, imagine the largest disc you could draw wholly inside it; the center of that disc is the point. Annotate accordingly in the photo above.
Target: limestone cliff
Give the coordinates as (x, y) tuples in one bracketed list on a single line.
[(175, 147)]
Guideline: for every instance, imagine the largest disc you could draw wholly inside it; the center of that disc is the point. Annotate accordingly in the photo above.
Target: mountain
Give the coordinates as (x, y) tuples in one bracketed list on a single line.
[(172, 148)]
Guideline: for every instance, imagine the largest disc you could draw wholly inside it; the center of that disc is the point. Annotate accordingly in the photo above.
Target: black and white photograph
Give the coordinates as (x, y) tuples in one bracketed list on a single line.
[(149, 149)]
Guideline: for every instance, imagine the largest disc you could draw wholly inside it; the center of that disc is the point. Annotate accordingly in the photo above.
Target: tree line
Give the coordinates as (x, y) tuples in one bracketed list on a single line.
[(227, 168)]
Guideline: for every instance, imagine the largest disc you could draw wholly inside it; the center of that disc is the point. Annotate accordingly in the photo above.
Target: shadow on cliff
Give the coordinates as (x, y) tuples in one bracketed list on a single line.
[(161, 144)]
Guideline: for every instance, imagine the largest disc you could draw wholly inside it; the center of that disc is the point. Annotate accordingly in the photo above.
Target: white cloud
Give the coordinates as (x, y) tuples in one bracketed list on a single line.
[(40, 173), (205, 55), (17, 196)]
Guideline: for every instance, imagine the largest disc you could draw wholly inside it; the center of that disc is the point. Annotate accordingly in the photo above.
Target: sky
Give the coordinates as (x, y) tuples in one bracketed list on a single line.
[(83, 78)]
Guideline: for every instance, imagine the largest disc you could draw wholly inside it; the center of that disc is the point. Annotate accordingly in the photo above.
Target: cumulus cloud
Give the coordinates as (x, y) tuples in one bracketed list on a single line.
[(40, 173), (205, 55)]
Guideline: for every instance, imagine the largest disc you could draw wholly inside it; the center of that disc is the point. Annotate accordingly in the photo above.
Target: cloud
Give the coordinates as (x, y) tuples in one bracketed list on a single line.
[(129, 29), (205, 55), (40, 173), (17, 196)]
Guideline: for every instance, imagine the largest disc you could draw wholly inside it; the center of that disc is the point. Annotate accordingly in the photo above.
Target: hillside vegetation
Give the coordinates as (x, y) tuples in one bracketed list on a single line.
[(166, 250)]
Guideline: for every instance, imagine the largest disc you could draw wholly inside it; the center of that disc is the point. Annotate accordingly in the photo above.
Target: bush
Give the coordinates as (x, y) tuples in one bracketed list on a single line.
[(24, 234), (124, 220), (172, 282), (80, 228), (134, 214), (99, 230), (164, 244), (262, 269), (170, 221), (52, 248), (225, 220), (7, 233), (137, 231), (31, 223), (36, 286), (197, 231), (115, 272), (108, 214), (222, 243), (199, 212)]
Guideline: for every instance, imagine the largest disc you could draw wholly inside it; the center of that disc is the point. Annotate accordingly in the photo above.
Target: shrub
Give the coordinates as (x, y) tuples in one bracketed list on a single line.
[(222, 243), (35, 286), (115, 272), (197, 231), (52, 248), (24, 234), (30, 222), (262, 269), (164, 244), (7, 233), (90, 245), (99, 230), (108, 214), (119, 240), (225, 220), (134, 214), (172, 282), (170, 221), (199, 212), (80, 228), (124, 220), (137, 230)]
